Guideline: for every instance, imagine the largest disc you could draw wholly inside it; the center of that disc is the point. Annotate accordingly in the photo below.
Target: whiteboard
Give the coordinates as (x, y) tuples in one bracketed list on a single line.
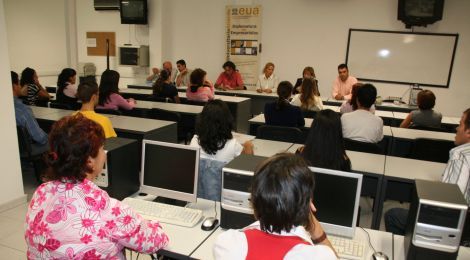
[(401, 57)]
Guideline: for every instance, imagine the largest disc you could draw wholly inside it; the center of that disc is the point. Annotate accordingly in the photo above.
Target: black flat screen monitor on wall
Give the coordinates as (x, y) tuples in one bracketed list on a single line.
[(133, 11)]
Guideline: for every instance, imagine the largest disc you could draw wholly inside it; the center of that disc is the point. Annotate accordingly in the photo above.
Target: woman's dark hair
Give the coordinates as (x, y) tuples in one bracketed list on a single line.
[(309, 90), (466, 120), (158, 85), (324, 146), (27, 76), (63, 78), (196, 79), (353, 100), (281, 191), (426, 99), (14, 78), (86, 90), (214, 126), (229, 64), (108, 85), (72, 140), (284, 90)]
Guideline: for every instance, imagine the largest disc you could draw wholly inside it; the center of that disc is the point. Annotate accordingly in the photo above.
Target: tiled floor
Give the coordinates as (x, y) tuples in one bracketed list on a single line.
[(13, 246)]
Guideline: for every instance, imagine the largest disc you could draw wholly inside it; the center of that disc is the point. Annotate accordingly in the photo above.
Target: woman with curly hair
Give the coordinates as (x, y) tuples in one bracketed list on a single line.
[(69, 217), (214, 134)]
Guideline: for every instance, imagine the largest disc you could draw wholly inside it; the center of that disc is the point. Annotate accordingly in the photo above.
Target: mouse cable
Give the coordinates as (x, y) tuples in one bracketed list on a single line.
[(368, 239)]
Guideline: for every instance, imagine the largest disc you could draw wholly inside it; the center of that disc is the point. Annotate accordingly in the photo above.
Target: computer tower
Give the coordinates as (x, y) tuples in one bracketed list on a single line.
[(435, 221), (120, 175), (236, 210)]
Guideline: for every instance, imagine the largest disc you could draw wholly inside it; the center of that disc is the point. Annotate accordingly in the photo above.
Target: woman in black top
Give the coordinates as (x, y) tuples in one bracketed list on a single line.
[(281, 112), (324, 147), (164, 88)]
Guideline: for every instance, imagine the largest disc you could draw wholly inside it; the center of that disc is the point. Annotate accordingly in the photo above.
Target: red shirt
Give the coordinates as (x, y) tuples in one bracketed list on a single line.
[(232, 81)]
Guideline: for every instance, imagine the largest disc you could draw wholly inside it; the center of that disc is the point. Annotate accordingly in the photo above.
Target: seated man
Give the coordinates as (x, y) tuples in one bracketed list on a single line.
[(283, 203), (25, 118), (87, 92), (182, 78), (156, 72), (342, 85), (362, 125), (230, 78), (457, 171)]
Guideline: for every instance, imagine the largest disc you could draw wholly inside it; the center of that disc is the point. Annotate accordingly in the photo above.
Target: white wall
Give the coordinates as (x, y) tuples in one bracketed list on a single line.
[(37, 37), (11, 186)]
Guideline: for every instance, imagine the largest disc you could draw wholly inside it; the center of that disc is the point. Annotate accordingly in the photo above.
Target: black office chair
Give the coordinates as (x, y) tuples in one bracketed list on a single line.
[(429, 128), (279, 133), (108, 111), (364, 147), (51, 90), (64, 105), (194, 102), (30, 152), (431, 149), (184, 133), (309, 113), (159, 99)]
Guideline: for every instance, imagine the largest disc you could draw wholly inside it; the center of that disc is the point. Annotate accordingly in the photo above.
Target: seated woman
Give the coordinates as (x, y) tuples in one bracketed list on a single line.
[(267, 82), (109, 97), (200, 89), (307, 73), (66, 88), (283, 203), (214, 133), (324, 147), (163, 87), (425, 116), (309, 96), (69, 216), (351, 104), (36, 92), (281, 112)]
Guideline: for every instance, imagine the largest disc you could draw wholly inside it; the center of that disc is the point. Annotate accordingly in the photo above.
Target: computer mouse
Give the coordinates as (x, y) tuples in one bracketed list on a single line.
[(379, 256), (209, 223)]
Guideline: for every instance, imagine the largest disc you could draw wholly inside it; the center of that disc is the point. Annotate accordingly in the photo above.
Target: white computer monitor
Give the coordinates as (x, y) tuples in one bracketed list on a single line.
[(169, 170), (336, 198)]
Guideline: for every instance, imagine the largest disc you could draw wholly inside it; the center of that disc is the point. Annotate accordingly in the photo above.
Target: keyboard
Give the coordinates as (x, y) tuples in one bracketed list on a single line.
[(165, 213), (348, 248)]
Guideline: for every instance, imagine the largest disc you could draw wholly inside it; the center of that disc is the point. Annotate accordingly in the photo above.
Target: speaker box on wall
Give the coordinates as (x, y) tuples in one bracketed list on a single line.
[(420, 12)]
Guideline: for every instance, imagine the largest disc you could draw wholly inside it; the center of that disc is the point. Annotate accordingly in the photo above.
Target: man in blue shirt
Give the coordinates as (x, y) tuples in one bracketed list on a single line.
[(25, 118)]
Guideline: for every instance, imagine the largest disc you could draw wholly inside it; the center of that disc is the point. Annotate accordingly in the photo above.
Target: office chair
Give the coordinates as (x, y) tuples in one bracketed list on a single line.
[(194, 102), (209, 184), (364, 147), (159, 99), (108, 111), (184, 133), (30, 152), (51, 90), (64, 106), (279, 133), (431, 150), (309, 113), (429, 128)]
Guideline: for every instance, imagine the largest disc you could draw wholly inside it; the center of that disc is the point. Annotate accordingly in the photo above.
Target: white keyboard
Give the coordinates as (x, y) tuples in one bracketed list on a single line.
[(165, 213), (348, 248)]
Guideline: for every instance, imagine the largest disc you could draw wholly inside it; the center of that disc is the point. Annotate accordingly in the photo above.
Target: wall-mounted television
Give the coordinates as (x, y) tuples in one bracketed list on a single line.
[(133, 11)]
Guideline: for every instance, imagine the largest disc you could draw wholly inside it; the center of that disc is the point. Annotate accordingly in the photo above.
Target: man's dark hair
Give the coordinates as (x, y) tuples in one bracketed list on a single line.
[(466, 121), (281, 191), (426, 99), (229, 64), (343, 66), (366, 95), (86, 90), (14, 78), (27, 76), (181, 62)]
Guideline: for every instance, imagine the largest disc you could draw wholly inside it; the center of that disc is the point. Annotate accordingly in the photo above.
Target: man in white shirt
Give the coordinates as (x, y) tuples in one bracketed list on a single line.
[(362, 125), (457, 171), (182, 78), (343, 84)]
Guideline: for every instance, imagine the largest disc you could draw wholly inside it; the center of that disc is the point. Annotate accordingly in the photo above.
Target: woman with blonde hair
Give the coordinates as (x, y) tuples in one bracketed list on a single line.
[(267, 82), (309, 96)]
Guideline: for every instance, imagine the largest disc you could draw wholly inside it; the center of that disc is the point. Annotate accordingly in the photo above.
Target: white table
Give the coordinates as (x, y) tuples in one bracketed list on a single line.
[(448, 120), (269, 148), (381, 241), (399, 249), (410, 169), (180, 108), (138, 124), (40, 111)]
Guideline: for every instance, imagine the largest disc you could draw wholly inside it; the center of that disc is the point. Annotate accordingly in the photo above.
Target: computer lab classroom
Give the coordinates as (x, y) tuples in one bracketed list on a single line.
[(50, 35)]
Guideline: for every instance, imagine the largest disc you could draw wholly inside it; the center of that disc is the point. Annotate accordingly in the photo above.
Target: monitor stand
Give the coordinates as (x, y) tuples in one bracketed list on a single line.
[(175, 202)]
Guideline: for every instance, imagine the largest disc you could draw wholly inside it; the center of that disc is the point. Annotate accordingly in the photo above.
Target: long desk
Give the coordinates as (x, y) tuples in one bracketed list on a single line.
[(399, 249), (269, 148), (239, 106), (381, 241), (398, 180), (403, 139)]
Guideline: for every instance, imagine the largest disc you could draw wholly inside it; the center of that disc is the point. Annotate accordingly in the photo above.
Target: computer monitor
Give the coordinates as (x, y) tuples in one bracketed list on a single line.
[(169, 170), (336, 198)]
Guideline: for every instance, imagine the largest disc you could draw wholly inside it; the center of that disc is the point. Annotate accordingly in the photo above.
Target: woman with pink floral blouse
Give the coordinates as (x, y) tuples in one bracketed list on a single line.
[(69, 217)]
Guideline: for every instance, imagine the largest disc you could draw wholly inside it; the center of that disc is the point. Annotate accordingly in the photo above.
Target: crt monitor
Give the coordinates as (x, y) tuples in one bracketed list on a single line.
[(133, 11), (336, 198), (169, 170)]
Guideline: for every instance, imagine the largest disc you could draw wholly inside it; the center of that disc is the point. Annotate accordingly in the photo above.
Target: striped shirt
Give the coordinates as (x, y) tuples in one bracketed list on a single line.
[(458, 169), (33, 92)]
